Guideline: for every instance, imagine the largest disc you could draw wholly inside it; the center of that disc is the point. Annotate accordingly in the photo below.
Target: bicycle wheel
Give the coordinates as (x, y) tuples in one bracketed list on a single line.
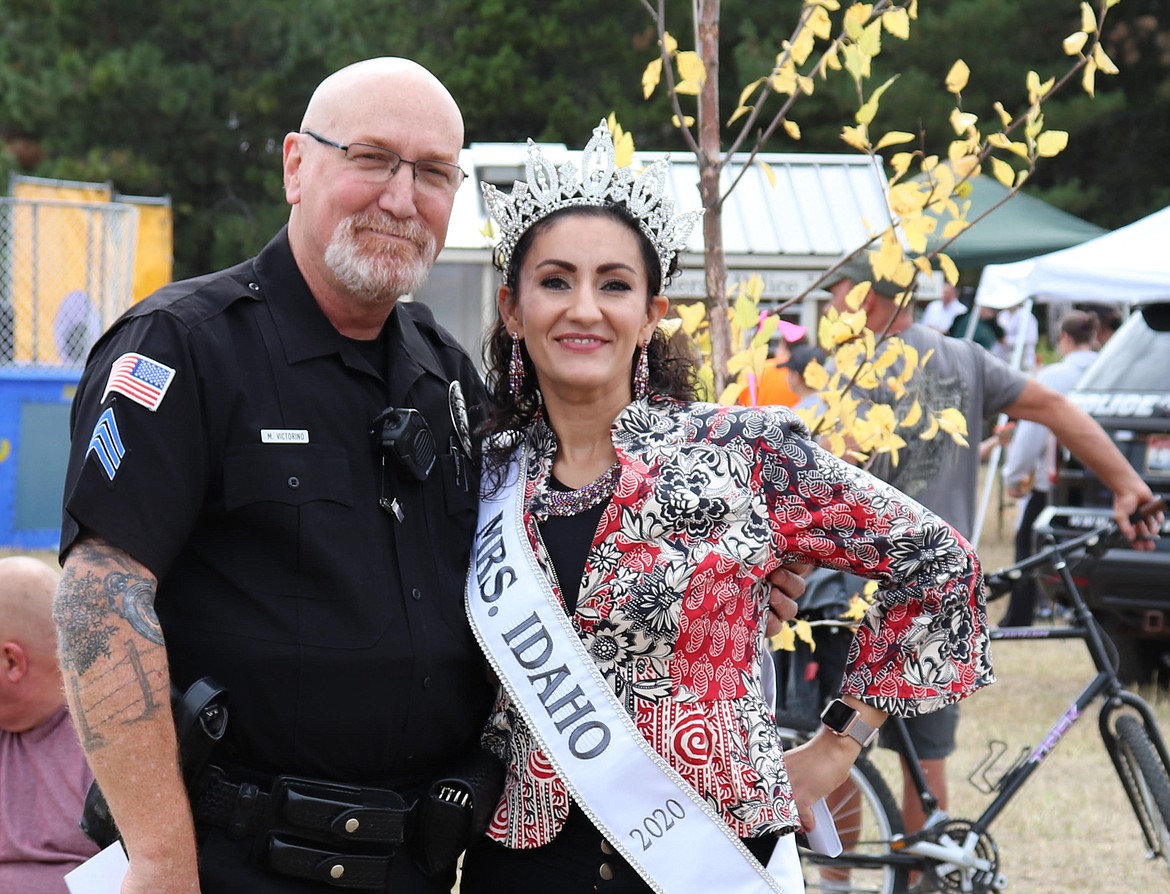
[(867, 819), (1146, 783)]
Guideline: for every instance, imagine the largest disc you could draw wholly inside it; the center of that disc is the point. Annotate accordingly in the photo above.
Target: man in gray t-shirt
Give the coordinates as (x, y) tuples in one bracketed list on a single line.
[(943, 475)]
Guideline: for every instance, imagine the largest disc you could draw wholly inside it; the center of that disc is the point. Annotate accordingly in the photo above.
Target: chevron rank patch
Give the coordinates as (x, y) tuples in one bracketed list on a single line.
[(106, 443)]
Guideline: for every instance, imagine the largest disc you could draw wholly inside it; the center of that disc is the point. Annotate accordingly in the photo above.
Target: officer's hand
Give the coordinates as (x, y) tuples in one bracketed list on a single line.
[(787, 585)]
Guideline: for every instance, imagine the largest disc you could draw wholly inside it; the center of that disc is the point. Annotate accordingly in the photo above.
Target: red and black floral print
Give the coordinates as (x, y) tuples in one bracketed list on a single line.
[(673, 602)]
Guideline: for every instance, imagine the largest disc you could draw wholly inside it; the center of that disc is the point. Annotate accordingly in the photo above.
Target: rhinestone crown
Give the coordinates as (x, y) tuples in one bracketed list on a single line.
[(601, 182)]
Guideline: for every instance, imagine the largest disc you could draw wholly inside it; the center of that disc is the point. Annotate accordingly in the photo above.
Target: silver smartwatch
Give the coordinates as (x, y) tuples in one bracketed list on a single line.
[(842, 720)]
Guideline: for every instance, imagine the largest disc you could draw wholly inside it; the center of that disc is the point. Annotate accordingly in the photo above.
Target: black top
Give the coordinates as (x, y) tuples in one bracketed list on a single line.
[(251, 492), (568, 539)]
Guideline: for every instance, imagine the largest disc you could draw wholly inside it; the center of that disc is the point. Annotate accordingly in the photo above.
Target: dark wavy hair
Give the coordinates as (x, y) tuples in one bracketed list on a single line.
[(672, 373)]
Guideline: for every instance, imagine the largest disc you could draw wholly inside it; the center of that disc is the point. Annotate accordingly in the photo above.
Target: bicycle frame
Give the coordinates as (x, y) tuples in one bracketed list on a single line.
[(1105, 684)]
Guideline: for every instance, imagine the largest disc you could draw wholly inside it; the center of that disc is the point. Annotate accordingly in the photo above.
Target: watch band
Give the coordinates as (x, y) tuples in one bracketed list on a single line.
[(842, 719)]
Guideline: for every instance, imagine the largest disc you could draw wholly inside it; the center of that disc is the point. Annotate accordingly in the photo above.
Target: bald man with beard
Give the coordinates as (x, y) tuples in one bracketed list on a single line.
[(43, 773), (272, 485)]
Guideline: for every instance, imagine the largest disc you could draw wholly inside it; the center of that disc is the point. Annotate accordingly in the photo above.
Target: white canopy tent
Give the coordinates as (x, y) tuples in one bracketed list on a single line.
[(1130, 265)]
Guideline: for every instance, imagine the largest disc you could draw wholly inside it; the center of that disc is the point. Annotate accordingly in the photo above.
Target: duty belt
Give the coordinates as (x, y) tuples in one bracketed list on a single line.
[(341, 835)]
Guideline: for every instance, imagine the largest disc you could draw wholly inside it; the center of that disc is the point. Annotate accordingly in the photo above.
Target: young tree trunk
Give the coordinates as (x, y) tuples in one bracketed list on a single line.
[(710, 166)]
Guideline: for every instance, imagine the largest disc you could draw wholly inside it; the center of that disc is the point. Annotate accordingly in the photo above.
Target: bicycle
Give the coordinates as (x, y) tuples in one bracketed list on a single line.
[(959, 855)]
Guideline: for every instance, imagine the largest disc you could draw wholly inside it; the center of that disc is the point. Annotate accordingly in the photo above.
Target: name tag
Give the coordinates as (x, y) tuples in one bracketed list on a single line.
[(284, 435)]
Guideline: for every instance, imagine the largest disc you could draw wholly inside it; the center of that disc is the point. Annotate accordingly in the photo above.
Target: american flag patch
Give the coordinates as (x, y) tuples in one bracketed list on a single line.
[(141, 379), (106, 443)]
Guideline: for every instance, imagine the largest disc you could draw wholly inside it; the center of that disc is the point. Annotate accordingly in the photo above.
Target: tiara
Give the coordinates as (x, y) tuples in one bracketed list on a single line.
[(547, 189)]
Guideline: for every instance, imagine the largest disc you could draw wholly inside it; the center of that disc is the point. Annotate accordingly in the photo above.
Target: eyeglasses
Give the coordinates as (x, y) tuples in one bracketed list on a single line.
[(377, 164)]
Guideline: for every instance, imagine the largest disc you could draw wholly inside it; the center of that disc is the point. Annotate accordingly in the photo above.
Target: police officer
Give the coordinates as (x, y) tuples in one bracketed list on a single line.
[(271, 484)]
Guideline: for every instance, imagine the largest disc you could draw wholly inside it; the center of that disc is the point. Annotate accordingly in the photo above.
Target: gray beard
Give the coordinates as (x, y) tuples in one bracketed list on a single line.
[(379, 277)]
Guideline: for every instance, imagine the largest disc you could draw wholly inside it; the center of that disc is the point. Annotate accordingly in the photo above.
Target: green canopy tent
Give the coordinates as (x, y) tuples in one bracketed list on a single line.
[(1021, 228)]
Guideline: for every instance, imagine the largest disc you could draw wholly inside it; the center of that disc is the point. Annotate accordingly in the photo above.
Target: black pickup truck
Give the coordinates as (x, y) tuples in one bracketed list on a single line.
[(1127, 391)]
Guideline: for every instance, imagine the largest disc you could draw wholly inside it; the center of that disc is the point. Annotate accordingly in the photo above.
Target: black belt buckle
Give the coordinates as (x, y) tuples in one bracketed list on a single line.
[(355, 871), (345, 814)]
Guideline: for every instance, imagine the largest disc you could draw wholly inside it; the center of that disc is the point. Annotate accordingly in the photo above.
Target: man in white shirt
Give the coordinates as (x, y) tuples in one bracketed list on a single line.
[(941, 312)]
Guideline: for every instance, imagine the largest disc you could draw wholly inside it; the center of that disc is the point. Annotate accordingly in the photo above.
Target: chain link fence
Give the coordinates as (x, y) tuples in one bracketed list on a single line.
[(66, 273)]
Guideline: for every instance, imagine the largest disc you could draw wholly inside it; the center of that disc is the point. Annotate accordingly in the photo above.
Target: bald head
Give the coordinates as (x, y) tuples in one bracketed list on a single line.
[(30, 679), (26, 602), (363, 87)]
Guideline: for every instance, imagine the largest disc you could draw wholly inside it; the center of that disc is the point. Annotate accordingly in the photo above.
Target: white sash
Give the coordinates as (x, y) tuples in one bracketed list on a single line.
[(668, 833)]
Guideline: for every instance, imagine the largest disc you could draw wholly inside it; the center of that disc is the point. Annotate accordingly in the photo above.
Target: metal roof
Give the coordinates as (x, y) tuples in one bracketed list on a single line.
[(819, 207)]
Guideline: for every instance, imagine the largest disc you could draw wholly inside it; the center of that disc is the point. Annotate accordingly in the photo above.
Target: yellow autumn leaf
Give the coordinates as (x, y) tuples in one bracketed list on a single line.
[(900, 162), (747, 91), (1003, 172), (931, 429), (815, 375), (819, 22), (957, 77), (651, 75), (855, 62), (731, 394), (1088, 18), (691, 67), (1104, 63), (804, 633), (1088, 78), (1051, 143), (669, 326), (857, 295), (669, 44), (917, 231), (686, 121), (897, 23), (1074, 43), (792, 129), (785, 640), (911, 419), (962, 121), (857, 609), (1004, 117), (692, 315), (802, 47), (954, 423), (950, 271), (857, 137), (893, 138), (687, 88)]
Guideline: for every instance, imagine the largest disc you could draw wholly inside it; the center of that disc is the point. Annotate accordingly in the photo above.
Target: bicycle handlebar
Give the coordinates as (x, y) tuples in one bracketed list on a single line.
[(1094, 543)]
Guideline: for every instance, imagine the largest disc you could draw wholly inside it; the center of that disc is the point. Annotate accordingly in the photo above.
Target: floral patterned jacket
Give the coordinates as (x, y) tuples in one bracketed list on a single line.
[(673, 602)]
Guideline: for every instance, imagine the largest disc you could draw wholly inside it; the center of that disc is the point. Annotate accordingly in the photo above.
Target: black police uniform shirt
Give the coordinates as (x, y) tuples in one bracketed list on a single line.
[(221, 437)]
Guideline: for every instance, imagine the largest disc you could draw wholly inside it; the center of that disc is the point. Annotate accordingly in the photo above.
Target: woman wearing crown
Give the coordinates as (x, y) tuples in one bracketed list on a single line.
[(618, 581)]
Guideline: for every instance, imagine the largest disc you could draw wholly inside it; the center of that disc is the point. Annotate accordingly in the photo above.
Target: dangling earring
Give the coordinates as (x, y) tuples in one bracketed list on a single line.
[(515, 368), (642, 372)]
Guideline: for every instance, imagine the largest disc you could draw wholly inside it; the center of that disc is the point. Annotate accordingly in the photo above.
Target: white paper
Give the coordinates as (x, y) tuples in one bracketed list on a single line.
[(101, 873), (823, 838)]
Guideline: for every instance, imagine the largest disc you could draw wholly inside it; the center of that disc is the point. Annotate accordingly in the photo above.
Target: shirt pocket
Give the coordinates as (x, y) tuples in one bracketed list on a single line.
[(285, 475), (287, 509)]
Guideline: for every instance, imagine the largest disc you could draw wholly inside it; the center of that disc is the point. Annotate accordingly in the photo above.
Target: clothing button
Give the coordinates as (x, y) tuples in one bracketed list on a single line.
[(426, 682), (254, 286), (606, 872), (336, 870), (294, 482), (416, 593), (606, 847), (351, 825)]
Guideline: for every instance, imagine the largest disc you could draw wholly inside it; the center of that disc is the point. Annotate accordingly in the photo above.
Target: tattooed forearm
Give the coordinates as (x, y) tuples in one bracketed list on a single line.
[(83, 624), (111, 644)]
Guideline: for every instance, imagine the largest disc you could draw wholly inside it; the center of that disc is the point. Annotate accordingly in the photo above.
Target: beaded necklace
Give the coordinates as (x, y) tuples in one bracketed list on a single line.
[(572, 502)]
